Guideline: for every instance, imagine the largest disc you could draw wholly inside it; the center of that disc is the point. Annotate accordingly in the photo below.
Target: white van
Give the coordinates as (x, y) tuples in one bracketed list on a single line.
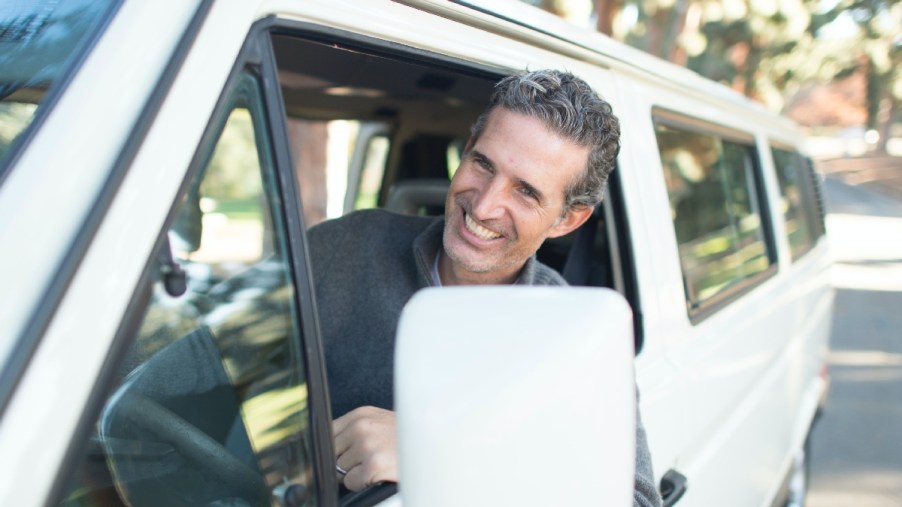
[(161, 161)]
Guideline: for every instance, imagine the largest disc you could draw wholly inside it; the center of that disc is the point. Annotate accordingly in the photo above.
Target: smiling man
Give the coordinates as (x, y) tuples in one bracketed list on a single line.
[(534, 168)]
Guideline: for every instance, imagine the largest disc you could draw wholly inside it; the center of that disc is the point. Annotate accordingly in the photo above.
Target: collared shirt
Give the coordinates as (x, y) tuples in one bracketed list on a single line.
[(436, 276)]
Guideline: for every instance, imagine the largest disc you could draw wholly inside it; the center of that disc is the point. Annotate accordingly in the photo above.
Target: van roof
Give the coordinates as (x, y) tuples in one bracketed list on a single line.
[(584, 44)]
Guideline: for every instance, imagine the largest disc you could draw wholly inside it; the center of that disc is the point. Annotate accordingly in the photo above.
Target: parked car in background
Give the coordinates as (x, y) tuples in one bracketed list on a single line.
[(159, 345)]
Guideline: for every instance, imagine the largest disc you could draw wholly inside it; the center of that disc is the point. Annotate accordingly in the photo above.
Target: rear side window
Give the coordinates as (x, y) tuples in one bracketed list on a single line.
[(714, 191), (797, 201)]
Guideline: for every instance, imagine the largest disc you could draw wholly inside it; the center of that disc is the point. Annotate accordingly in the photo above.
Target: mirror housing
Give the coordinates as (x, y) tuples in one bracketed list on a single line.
[(515, 396)]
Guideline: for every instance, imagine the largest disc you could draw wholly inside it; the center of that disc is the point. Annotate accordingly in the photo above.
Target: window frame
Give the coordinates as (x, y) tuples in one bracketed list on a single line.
[(359, 166), (818, 209), (758, 196), (623, 256), (260, 45)]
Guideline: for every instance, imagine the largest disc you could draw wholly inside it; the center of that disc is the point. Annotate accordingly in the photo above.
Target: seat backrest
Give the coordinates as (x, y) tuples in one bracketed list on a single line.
[(424, 157)]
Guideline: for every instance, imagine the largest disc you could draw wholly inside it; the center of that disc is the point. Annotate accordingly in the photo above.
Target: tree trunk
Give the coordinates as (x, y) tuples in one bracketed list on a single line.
[(676, 54), (663, 28), (886, 119), (308, 146), (605, 12)]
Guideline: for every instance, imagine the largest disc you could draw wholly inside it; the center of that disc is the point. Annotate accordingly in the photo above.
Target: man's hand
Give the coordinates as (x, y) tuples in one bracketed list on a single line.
[(366, 446)]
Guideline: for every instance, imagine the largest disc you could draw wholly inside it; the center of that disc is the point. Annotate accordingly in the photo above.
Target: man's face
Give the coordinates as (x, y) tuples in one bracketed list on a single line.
[(507, 197)]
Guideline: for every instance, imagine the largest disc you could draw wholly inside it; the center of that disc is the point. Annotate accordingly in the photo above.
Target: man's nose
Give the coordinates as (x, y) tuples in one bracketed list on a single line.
[(489, 202)]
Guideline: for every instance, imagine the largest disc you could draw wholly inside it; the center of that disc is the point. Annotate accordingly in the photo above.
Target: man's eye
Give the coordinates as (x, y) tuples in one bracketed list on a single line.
[(483, 164), (530, 193)]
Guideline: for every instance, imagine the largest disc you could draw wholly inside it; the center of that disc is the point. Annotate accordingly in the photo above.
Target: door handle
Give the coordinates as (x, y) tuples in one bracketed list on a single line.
[(672, 487)]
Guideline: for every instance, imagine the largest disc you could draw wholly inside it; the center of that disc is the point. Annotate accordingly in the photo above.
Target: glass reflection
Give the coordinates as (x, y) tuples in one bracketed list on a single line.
[(711, 186)]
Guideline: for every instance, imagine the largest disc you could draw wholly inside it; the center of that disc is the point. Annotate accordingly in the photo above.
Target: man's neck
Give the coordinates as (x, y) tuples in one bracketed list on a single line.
[(452, 274)]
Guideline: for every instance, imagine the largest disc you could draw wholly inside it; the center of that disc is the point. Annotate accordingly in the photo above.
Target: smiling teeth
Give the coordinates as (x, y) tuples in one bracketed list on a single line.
[(479, 230)]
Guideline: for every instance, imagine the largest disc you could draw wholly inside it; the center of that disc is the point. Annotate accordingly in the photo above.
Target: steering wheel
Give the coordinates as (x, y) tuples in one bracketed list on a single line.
[(371, 495), (134, 416)]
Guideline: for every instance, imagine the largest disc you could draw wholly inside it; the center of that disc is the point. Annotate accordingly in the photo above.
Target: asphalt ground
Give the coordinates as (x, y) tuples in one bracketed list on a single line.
[(855, 453), (882, 174)]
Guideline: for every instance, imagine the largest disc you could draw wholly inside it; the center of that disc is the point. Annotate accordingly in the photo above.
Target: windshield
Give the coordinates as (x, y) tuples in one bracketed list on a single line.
[(40, 46)]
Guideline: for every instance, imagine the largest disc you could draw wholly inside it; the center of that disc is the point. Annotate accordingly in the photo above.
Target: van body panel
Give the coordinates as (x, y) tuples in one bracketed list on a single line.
[(748, 372)]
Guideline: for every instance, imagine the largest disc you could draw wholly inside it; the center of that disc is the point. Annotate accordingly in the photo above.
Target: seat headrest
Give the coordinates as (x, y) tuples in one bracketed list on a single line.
[(418, 197)]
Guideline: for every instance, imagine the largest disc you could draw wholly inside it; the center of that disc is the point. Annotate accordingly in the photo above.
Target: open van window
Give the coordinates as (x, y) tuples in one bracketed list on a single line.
[(370, 127), (369, 120)]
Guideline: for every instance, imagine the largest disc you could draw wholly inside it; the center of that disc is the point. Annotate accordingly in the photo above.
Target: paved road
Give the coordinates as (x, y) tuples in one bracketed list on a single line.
[(856, 453)]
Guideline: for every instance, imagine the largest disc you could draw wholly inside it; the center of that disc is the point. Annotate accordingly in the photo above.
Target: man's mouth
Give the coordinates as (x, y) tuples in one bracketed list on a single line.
[(479, 230)]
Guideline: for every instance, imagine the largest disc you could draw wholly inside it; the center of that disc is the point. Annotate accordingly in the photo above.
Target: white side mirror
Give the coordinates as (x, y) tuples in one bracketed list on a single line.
[(515, 396)]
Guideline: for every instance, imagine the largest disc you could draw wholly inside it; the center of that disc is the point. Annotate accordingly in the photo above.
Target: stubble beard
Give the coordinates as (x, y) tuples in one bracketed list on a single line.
[(457, 249)]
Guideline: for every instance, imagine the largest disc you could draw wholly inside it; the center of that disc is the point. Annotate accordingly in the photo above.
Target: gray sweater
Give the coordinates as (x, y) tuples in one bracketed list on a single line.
[(366, 266)]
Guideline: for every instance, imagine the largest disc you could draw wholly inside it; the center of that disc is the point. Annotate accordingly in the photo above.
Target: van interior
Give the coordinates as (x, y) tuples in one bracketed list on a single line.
[(406, 121)]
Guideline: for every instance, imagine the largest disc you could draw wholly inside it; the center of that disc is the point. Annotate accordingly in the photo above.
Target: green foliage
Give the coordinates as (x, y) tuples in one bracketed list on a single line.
[(234, 171), (14, 118), (771, 49)]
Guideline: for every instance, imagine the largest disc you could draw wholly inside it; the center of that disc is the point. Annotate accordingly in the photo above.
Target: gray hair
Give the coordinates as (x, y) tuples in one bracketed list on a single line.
[(569, 107)]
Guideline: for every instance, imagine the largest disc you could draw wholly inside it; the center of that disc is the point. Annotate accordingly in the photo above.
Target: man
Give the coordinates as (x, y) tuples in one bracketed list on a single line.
[(534, 168)]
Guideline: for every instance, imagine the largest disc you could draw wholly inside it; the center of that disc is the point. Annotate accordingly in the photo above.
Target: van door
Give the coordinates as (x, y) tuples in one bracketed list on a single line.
[(640, 193), (211, 395)]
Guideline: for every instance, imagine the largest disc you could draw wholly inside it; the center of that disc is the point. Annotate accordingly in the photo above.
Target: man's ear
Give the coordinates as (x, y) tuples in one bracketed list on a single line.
[(573, 218)]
